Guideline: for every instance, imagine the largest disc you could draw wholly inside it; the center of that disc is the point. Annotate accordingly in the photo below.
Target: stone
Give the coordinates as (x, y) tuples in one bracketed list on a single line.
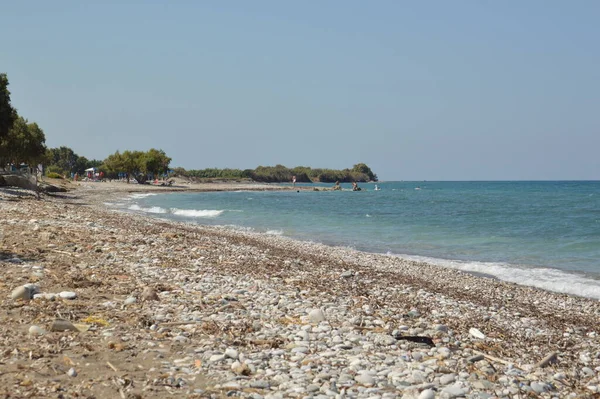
[(25, 292), (46, 296), (68, 295), (62, 325), (453, 392), (231, 353), (476, 333), (240, 368), (21, 293), (72, 372), (130, 300), (538, 387), (316, 316), (447, 379), (365, 379), (347, 274), (36, 330), (149, 294), (216, 358), (427, 394)]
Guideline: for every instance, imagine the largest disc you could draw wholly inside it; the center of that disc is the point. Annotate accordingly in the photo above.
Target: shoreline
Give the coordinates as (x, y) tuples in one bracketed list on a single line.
[(238, 290)]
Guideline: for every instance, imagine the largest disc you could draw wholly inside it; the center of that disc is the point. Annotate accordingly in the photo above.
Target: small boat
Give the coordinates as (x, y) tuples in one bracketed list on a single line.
[(377, 188)]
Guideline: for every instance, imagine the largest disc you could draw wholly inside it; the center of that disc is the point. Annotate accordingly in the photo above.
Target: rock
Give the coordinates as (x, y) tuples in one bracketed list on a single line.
[(36, 330), (427, 394), (149, 294), (25, 292), (347, 274), (72, 372), (21, 293), (240, 368), (453, 392), (68, 295), (476, 333), (316, 316), (365, 379), (231, 353), (216, 358), (130, 300), (538, 387), (62, 325), (476, 358), (447, 379)]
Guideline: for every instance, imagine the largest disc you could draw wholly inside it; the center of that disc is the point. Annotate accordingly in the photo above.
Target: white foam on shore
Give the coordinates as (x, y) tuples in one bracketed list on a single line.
[(274, 232), (141, 195), (154, 209), (544, 278), (197, 213)]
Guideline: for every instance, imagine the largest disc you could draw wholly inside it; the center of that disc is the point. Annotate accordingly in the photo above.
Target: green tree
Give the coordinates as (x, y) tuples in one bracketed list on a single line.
[(24, 143), (155, 161), (364, 169), (8, 115), (63, 159)]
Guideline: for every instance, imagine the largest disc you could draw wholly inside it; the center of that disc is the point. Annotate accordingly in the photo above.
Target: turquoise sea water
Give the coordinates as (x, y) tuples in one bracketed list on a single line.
[(545, 234)]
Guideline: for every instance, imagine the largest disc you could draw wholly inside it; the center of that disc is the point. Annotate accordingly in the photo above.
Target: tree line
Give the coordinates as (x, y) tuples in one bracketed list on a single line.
[(24, 142), (279, 173)]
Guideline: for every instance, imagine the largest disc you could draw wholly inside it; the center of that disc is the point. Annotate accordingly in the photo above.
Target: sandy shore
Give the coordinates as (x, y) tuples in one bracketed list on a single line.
[(163, 309)]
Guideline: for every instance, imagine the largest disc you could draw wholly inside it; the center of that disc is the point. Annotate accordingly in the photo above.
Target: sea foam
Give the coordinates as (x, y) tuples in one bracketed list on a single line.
[(544, 278), (141, 195), (197, 213), (154, 209)]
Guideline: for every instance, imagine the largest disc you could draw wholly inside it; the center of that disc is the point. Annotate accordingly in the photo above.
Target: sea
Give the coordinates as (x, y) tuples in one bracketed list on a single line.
[(544, 234)]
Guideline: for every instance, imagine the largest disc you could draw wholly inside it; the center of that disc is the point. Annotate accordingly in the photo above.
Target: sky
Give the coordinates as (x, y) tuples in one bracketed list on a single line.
[(427, 90)]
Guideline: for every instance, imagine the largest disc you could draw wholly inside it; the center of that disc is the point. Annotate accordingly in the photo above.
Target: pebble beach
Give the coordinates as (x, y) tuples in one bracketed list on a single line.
[(97, 303)]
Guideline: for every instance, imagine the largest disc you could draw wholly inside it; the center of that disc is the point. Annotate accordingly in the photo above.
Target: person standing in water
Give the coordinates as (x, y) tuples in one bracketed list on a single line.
[(293, 181)]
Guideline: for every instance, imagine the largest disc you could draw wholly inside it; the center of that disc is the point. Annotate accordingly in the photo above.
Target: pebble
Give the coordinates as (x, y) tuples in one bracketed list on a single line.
[(72, 372), (365, 379), (427, 394), (130, 300), (447, 379), (68, 295), (231, 353), (316, 316), (476, 333), (36, 330), (25, 292)]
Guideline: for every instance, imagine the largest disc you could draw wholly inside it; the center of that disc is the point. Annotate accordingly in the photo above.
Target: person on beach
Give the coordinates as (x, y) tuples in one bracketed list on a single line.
[(337, 186), (293, 181)]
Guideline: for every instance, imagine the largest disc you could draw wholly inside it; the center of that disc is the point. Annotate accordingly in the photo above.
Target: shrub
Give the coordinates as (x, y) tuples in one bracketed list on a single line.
[(54, 175)]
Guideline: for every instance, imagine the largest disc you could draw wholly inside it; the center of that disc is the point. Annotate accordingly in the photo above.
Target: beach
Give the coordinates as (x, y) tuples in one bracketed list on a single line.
[(122, 305)]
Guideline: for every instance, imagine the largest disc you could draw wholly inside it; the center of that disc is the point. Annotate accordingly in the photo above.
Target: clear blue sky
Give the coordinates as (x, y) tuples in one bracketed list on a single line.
[(436, 90)]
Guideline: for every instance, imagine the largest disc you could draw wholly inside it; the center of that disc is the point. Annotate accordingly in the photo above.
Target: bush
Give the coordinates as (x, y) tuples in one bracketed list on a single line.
[(54, 175)]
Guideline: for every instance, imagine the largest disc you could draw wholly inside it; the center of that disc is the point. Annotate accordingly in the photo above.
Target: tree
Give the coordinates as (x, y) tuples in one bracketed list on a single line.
[(155, 161), (363, 168), (63, 159), (25, 142), (8, 115)]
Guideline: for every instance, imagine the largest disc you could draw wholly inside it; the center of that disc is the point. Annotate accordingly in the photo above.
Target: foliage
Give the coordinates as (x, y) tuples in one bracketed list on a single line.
[(279, 173), (24, 143), (8, 115), (54, 175), (213, 173), (65, 161), (137, 163), (362, 168)]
